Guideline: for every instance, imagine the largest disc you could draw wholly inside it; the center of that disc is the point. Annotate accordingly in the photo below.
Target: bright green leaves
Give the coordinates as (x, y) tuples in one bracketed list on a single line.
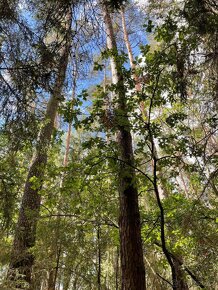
[(185, 236), (35, 182)]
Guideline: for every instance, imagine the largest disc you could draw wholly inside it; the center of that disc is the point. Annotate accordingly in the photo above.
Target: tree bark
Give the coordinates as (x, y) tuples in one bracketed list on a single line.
[(51, 280), (180, 280), (179, 273), (116, 268), (22, 259), (99, 256), (53, 273), (69, 131), (132, 264)]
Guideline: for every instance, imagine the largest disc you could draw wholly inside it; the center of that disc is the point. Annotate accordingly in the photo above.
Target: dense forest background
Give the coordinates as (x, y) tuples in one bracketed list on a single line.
[(109, 145)]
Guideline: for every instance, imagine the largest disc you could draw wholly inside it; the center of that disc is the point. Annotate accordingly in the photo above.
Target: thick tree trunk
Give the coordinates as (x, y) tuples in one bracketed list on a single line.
[(22, 258), (132, 264), (181, 283)]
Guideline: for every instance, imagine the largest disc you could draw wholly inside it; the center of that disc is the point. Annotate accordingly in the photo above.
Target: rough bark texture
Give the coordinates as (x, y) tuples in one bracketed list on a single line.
[(180, 279), (22, 258), (132, 264)]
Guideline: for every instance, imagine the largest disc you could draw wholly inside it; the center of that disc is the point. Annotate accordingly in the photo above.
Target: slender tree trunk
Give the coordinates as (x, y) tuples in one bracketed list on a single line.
[(66, 282), (37, 281), (126, 38), (99, 256), (117, 254), (132, 264), (69, 131), (51, 284), (22, 259), (53, 273)]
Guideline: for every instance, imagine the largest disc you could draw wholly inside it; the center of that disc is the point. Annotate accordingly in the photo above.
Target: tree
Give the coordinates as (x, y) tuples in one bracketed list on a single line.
[(22, 259), (130, 172), (133, 272)]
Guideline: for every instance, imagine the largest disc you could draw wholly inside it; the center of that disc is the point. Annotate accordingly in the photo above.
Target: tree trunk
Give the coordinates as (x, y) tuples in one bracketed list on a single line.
[(116, 268), (126, 38), (69, 131), (180, 280), (66, 281), (132, 264), (51, 282), (22, 258), (99, 256)]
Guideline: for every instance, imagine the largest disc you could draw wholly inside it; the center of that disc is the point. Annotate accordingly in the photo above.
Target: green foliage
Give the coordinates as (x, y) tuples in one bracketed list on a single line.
[(173, 122)]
